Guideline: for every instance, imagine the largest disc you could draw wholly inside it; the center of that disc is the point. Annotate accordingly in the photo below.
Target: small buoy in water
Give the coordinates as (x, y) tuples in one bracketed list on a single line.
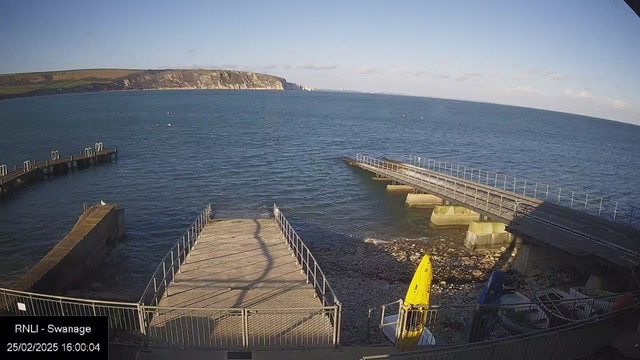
[(403, 115), (167, 112), (168, 124), (421, 117)]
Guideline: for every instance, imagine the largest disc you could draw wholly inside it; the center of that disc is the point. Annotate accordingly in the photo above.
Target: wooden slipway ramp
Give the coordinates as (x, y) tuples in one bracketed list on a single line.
[(241, 265)]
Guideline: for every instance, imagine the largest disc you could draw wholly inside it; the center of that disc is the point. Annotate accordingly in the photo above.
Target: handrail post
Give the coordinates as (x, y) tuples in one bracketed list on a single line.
[(184, 250), (572, 199), (164, 278), (155, 289), (245, 329), (324, 290), (308, 270), (335, 325), (179, 257), (475, 198), (615, 211), (600, 208), (140, 310), (586, 200), (487, 206), (173, 270)]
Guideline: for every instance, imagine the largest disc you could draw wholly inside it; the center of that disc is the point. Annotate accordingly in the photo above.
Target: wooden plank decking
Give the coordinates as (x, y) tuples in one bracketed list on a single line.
[(243, 263)]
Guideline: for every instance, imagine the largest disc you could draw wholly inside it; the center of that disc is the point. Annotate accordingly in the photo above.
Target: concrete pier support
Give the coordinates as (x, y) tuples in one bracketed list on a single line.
[(447, 215), (532, 258), (423, 200), (400, 188), (486, 235)]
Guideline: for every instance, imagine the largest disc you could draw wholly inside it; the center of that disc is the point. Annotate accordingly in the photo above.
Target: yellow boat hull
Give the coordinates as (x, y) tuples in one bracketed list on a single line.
[(417, 299)]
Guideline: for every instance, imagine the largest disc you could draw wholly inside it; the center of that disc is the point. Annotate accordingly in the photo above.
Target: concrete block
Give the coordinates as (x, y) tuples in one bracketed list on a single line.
[(423, 200), (443, 215), (531, 257), (400, 188), (487, 235)]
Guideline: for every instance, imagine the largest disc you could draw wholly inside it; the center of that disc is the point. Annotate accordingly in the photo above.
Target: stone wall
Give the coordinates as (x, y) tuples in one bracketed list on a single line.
[(78, 253)]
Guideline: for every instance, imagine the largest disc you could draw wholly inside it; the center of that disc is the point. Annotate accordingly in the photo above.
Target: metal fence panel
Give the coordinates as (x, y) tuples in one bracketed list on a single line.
[(564, 342), (290, 328), (124, 321), (194, 328)]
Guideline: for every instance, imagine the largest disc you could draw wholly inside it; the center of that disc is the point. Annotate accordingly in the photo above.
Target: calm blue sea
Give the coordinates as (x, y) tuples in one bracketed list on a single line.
[(244, 150)]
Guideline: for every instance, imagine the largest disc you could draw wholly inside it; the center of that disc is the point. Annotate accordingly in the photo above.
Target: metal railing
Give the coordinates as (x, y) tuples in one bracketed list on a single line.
[(477, 198), (124, 318), (239, 328), (496, 203), (201, 328), (567, 341), (309, 266), (460, 324), (589, 203), (170, 265)]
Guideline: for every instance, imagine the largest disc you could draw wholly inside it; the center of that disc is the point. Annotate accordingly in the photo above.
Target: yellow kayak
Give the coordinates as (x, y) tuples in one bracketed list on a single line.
[(417, 298)]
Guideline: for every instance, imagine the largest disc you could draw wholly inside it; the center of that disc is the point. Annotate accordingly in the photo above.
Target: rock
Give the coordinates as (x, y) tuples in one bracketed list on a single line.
[(549, 272), (503, 249), (535, 272), (385, 286), (477, 273), (530, 281), (443, 283), (472, 295)]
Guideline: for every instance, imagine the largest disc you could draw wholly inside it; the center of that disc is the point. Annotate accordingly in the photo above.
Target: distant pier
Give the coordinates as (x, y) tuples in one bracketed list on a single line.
[(32, 170)]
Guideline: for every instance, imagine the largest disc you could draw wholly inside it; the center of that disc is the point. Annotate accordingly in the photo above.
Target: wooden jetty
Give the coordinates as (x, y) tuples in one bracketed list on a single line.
[(242, 283), (31, 170)]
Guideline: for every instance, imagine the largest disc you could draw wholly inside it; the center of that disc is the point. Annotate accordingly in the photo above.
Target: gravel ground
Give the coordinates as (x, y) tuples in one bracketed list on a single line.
[(366, 275)]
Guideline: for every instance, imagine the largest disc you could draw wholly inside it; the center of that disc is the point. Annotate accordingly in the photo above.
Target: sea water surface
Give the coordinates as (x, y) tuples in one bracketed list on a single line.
[(242, 151)]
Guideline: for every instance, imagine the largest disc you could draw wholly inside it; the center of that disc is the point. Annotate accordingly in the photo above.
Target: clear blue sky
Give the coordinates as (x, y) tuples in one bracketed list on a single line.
[(569, 55)]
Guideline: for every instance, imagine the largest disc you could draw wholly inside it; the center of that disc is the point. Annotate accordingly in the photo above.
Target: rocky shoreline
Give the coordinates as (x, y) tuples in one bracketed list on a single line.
[(368, 274)]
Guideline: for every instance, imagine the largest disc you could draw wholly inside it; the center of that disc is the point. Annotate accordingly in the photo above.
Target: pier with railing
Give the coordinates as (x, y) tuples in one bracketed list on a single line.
[(15, 177)]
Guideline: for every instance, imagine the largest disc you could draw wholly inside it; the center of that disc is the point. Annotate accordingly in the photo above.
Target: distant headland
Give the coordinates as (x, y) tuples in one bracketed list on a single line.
[(91, 80)]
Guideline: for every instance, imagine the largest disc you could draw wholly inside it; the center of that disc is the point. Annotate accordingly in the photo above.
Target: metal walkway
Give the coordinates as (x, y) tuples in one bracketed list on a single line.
[(243, 283), (574, 231)]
